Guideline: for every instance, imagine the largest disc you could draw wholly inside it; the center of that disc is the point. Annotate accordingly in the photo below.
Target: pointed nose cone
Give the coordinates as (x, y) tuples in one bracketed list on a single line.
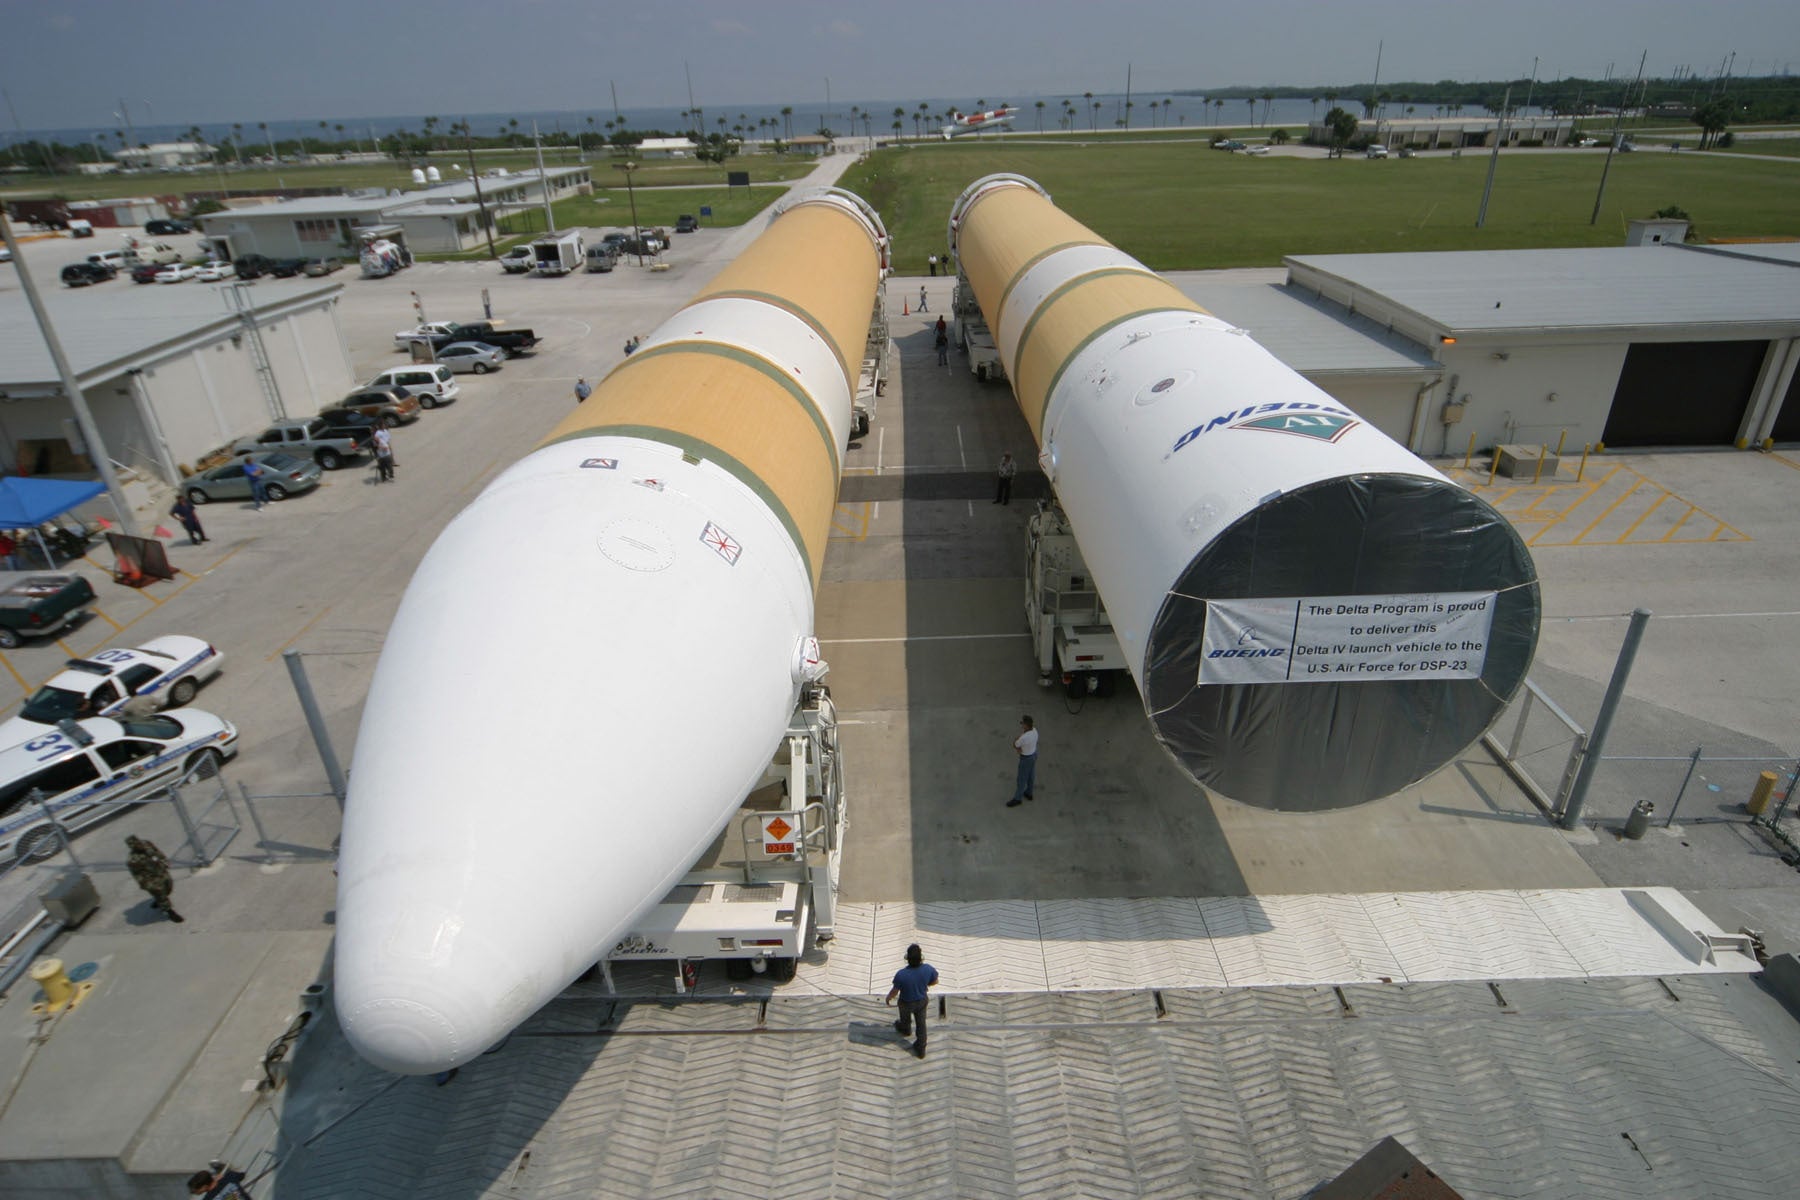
[(548, 744)]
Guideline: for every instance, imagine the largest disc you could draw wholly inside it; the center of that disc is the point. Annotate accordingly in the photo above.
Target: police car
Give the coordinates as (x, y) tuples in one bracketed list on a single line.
[(166, 671), (84, 771)]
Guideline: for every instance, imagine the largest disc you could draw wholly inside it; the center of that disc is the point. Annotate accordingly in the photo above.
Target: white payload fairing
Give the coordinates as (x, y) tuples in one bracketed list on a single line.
[(595, 661), (1313, 616)]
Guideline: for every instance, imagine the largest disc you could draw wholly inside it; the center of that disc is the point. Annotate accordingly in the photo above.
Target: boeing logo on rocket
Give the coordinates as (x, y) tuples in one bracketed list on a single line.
[(1329, 424)]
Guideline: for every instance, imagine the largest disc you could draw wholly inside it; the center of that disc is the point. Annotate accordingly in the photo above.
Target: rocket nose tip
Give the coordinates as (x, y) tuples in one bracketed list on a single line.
[(405, 1036)]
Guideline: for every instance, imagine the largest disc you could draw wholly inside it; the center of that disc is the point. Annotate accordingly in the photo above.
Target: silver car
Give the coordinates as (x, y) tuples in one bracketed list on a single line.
[(284, 476), (464, 357)]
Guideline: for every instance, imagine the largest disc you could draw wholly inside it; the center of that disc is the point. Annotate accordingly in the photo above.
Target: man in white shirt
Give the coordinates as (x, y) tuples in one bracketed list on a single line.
[(1026, 746)]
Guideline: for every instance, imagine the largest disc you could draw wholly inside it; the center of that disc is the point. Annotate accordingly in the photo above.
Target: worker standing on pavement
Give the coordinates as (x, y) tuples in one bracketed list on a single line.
[(149, 869), (583, 389), (1025, 745), (1003, 478), (911, 984)]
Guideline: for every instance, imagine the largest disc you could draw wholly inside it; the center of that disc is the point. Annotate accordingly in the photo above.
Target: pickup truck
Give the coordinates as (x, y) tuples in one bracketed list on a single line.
[(513, 341), (518, 261), (310, 438), (39, 604)]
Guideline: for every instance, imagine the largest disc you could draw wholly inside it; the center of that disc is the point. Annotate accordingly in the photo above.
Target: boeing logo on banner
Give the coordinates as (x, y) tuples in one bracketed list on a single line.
[(1318, 421)]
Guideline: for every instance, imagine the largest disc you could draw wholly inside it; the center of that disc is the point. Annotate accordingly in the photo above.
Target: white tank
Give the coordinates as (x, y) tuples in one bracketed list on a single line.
[(434, 175), (418, 175)]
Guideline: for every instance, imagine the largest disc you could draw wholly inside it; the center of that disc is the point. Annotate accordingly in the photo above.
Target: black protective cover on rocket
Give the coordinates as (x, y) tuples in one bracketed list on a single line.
[(1308, 747)]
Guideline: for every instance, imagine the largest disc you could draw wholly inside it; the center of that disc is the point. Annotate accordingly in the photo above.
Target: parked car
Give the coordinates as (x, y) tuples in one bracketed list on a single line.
[(305, 437), (156, 252), (391, 406), (79, 228), (287, 268), (641, 245), (1258, 149), (464, 357), (118, 260), (602, 257), (348, 423), (83, 273), (1376, 151), (165, 672), (177, 273), (1587, 141), (213, 272), (316, 267), (404, 339), (616, 238), (145, 272), (285, 475), (686, 223), (1227, 145), (432, 383), (40, 603), (164, 228), (252, 266), (85, 771), (518, 260)]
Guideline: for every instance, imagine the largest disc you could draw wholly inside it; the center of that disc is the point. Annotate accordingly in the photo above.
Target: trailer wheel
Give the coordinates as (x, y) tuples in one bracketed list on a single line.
[(782, 970), (737, 969), (981, 373), (862, 424)]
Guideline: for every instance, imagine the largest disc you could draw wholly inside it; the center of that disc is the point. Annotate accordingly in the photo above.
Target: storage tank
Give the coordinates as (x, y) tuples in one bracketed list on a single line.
[(418, 175), (1314, 617), (433, 175)]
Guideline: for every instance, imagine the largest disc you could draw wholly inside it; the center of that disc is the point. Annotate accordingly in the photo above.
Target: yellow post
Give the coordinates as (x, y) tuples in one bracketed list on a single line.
[(1543, 452), (1559, 442), (1471, 453), (1761, 794), (48, 974), (1493, 466), (1583, 468)]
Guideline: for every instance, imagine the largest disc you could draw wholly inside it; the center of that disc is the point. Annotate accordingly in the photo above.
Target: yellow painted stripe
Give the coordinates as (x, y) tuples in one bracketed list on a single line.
[(1684, 516), (1626, 536), (1609, 510)]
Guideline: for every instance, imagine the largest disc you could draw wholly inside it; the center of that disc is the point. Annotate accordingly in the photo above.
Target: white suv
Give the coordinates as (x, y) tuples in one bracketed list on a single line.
[(84, 771), (432, 383)]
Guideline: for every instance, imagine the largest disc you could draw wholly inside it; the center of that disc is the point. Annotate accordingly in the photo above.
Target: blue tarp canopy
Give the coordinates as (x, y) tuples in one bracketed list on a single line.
[(27, 502)]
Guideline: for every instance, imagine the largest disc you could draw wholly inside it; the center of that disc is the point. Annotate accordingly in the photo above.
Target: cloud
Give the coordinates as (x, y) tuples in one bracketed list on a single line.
[(729, 28), (843, 28)]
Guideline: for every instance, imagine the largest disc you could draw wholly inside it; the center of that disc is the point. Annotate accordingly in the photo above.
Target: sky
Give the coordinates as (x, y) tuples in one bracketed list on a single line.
[(68, 64)]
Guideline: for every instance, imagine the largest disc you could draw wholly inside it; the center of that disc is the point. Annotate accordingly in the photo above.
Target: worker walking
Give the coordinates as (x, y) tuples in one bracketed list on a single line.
[(1025, 745), (183, 510), (582, 388), (911, 984), (149, 869), (1004, 478), (922, 307)]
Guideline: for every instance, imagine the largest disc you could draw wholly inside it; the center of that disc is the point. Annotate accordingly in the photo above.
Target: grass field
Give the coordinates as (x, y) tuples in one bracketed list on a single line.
[(762, 167), (1188, 207)]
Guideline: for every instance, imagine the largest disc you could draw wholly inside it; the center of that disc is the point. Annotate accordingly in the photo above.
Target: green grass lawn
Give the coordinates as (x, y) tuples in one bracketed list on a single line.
[(1188, 207), (611, 209), (763, 168)]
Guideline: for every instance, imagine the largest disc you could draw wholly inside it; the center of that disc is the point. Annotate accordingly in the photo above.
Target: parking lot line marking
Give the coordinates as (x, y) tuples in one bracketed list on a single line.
[(1548, 492), (14, 672), (880, 447), (858, 529), (1684, 516), (101, 613), (1609, 511), (960, 454), (1714, 535), (317, 617), (1626, 536), (1784, 460)]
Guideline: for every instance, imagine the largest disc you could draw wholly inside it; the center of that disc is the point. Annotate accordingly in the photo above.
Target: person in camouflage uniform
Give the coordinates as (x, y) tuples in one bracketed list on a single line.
[(149, 867)]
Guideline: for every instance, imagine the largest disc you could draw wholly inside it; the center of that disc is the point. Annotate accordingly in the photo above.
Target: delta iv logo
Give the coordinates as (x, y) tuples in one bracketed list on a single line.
[(1321, 422)]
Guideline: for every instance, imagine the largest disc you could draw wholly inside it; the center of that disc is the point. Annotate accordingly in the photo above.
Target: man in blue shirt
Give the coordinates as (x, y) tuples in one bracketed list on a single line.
[(910, 984)]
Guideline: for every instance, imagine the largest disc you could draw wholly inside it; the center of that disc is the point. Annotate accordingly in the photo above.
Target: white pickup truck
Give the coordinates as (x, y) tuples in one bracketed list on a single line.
[(518, 260)]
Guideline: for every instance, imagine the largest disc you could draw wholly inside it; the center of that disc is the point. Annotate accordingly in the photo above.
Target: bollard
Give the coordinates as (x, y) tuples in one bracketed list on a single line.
[(1761, 794), (1638, 823), (49, 975)]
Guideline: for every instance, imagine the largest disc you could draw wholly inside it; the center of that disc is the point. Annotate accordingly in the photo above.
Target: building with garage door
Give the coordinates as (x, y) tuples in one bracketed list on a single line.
[(1661, 344), (169, 373)]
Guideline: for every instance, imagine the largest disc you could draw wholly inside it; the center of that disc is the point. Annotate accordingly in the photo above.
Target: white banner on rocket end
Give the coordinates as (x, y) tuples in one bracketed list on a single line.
[(1346, 639)]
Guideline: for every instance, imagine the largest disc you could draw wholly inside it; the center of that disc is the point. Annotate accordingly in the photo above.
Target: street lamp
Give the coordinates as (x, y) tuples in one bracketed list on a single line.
[(636, 232)]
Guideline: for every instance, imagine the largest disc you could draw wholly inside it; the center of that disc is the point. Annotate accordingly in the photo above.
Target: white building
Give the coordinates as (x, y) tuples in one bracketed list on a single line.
[(163, 155), (665, 148), (1452, 133), (169, 373)]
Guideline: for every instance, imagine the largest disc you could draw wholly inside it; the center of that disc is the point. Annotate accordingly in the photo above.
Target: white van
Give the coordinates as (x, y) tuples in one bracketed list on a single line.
[(602, 256), (84, 771), (81, 228), (432, 383), (118, 260)]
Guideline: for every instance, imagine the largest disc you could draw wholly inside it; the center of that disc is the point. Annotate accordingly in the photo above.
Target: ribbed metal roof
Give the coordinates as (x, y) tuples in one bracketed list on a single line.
[(1611, 288), (1313, 337), (110, 324)]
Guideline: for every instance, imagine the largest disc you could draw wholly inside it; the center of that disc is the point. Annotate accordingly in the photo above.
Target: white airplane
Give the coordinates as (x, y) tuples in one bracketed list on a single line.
[(975, 122)]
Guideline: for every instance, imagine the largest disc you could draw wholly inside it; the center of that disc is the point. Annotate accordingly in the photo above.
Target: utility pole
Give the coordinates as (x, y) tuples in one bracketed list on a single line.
[(1494, 159), (1612, 144), (84, 420), (543, 181), (475, 178), (637, 231), (1128, 95), (1533, 87)]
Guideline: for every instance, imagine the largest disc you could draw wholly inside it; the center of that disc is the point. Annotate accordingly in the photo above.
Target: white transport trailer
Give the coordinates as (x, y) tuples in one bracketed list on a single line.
[(767, 888), (969, 330), (1071, 633), (878, 352), (558, 253)]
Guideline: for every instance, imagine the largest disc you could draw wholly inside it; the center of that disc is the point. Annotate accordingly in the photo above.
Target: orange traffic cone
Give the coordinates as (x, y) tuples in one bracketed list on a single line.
[(904, 310)]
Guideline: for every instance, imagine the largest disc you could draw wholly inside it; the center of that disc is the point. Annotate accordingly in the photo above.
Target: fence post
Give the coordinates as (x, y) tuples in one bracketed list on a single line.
[(262, 837), (1615, 692), (1693, 762), (1512, 751), (187, 823), (68, 843), (315, 721), (1793, 783)]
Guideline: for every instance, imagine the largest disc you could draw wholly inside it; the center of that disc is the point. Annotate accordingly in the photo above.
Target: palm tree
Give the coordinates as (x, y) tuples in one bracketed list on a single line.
[(787, 123), (1251, 101), (1094, 120), (1268, 99), (1089, 97), (899, 118), (1040, 112), (1126, 120), (1219, 110), (1315, 108), (1167, 103)]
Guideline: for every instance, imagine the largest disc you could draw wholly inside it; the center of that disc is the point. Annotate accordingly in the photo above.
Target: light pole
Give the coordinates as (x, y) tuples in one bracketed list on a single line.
[(637, 234)]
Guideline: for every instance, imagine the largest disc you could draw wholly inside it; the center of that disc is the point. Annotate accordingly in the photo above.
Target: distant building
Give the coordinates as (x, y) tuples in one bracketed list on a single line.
[(1451, 133), (810, 143), (665, 148), (163, 155)]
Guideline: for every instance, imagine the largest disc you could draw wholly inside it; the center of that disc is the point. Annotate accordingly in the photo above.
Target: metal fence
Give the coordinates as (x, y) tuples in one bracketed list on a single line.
[(1543, 747)]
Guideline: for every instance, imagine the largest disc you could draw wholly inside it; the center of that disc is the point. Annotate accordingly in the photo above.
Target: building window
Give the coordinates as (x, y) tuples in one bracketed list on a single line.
[(320, 230)]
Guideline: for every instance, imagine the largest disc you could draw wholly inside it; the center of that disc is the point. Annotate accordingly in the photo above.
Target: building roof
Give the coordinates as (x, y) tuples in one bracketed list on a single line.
[(1775, 252), (679, 143), (450, 197), (106, 327), (1312, 336), (1606, 288)]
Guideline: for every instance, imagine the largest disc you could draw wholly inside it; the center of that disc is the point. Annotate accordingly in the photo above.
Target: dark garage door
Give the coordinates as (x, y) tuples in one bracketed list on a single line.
[(1787, 423), (1683, 393)]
